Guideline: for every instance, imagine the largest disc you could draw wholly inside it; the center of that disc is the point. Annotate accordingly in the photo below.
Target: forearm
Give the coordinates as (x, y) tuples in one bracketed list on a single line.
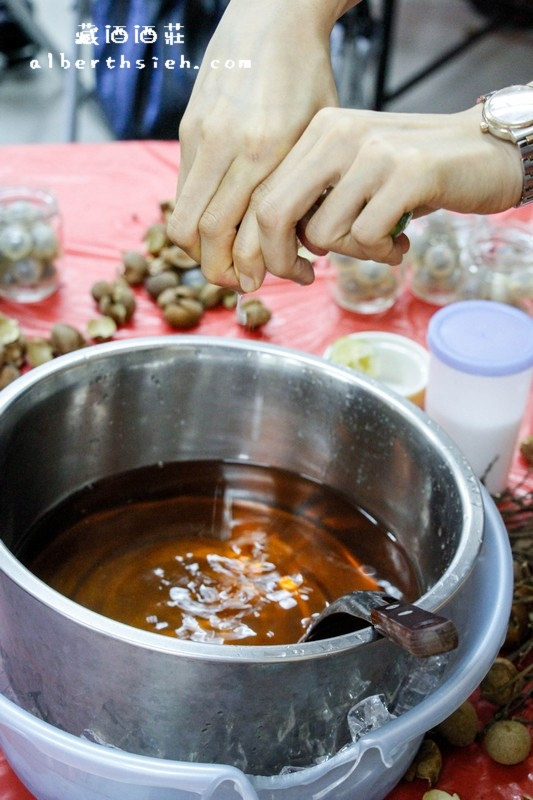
[(345, 5), (322, 14), (331, 10)]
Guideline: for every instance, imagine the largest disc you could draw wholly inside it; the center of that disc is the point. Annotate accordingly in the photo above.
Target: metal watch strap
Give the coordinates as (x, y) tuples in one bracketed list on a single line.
[(526, 151)]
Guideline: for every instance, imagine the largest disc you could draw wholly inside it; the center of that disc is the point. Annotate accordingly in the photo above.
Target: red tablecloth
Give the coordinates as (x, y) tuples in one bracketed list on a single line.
[(109, 194)]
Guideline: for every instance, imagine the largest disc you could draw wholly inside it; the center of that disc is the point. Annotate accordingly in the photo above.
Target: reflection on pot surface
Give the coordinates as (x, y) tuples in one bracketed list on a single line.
[(225, 553)]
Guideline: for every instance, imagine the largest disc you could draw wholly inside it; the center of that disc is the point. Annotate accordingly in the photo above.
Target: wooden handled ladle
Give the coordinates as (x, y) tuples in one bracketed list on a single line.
[(421, 632)]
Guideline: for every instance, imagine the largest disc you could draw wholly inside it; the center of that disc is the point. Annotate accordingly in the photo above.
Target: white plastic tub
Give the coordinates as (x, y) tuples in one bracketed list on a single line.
[(58, 766), (397, 361)]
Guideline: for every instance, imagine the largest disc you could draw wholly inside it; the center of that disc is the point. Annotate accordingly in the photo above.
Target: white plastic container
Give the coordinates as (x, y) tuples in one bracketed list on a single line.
[(55, 765), (481, 364)]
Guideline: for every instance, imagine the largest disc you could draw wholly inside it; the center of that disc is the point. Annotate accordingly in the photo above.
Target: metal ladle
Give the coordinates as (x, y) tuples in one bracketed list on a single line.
[(421, 632)]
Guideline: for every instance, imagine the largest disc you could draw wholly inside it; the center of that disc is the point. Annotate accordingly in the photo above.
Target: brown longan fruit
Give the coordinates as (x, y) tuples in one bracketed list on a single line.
[(508, 742), (460, 728), (499, 684)]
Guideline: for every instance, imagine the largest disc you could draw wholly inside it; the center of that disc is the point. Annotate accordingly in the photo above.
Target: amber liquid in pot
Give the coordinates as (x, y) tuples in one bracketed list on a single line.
[(214, 551)]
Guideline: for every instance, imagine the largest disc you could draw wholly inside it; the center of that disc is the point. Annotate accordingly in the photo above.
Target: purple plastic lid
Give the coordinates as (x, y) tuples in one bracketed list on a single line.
[(482, 337)]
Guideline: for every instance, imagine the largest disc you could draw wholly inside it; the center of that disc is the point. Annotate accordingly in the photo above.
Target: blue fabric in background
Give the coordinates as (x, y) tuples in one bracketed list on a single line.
[(149, 103)]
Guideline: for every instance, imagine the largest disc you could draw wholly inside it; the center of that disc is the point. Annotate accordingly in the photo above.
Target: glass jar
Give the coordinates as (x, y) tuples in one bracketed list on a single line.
[(500, 265), (437, 269), (30, 243), (366, 287)]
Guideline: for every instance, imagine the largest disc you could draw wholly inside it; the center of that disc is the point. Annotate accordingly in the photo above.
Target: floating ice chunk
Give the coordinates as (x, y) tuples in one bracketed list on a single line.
[(207, 593), (283, 597), (287, 602), (240, 632)]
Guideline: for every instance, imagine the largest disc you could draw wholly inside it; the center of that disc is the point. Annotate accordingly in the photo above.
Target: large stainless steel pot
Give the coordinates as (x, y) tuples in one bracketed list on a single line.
[(112, 408)]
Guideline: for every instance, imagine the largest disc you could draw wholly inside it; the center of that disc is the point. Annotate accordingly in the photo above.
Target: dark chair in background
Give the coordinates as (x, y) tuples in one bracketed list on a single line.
[(499, 14), (20, 37)]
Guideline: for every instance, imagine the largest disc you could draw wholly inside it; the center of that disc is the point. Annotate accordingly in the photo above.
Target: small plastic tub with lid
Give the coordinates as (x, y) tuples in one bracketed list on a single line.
[(480, 370)]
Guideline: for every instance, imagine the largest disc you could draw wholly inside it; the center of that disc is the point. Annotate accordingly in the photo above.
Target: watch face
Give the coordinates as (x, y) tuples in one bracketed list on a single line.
[(511, 107)]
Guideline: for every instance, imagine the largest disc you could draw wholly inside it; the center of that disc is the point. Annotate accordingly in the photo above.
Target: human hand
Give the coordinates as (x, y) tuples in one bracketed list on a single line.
[(240, 123), (353, 174)]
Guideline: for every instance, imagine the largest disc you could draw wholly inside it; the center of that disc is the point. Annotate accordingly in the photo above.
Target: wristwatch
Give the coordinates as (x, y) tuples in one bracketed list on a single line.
[(508, 114)]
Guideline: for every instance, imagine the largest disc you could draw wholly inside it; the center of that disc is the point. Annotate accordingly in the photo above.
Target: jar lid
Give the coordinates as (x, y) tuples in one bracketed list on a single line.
[(482, 337)]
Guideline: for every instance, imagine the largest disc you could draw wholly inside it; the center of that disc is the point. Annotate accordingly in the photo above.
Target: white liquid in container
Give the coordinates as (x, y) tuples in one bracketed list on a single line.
[(481, 365), (489, 449)]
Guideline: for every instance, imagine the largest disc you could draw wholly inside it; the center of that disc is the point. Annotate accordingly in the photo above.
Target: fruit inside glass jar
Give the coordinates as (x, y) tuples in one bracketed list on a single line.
[(213, 551)]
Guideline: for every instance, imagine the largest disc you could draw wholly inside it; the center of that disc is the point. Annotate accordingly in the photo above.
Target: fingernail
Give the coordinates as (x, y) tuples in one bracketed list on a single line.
[(247, 283)]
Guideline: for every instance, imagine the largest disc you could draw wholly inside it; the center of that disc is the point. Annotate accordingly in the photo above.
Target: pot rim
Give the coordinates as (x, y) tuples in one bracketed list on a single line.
[(449, 582)]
